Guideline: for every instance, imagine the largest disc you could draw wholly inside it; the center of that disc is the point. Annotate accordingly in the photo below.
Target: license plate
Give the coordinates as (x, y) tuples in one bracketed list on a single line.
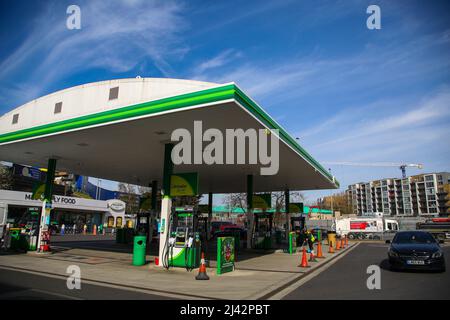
[(415, 262)]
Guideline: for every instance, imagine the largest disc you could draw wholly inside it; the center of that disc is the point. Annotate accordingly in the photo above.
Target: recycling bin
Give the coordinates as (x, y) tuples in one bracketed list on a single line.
[(139, 248), (14, 234)]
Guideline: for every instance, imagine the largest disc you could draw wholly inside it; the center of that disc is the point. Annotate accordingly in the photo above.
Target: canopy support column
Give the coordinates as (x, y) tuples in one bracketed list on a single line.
[(288, 214), (210, 212), (250, 216), (44, 216), (166, 203), (153, 212)]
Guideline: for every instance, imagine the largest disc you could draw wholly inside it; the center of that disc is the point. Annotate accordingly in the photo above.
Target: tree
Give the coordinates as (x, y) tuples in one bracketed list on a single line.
[(278, 203), (340, 203), (239, 200), (128, 195), (236, 200), (6, 179)]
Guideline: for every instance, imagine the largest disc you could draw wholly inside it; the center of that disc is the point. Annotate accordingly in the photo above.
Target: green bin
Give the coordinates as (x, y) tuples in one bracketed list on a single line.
[(14, 233), (139, 246)]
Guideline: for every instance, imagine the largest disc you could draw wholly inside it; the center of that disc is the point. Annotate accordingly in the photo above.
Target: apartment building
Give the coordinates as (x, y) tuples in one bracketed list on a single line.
[(419, 195)]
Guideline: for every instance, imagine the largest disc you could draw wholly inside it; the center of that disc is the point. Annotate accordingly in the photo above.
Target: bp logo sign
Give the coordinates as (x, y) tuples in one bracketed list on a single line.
[(225, 254)]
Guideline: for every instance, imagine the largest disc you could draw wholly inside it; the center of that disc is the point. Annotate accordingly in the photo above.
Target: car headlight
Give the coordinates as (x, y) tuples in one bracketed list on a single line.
[(437, 254), (393, 254)]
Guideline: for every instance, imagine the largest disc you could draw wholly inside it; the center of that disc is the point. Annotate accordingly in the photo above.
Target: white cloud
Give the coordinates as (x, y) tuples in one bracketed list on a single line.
[(114, 36)]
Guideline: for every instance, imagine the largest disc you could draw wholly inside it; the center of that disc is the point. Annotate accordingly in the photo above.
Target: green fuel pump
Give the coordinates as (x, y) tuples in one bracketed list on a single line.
[(183, 247), (297, 225), (262, 237)]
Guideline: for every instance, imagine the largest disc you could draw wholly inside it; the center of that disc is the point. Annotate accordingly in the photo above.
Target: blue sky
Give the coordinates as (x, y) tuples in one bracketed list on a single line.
[(349, 93)]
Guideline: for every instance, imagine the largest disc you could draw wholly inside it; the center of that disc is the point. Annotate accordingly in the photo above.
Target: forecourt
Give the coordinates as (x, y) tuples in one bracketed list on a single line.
[(121, 130)]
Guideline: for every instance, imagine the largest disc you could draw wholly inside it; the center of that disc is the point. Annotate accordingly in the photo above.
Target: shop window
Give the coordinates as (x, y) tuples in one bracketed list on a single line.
[(119, 222), (58, 108), (15, 118), (114, 93), (110, 222)]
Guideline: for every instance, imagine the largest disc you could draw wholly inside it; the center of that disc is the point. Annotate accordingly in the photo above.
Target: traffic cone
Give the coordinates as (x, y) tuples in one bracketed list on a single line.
[(304, 263), (202, 270), (319, 251), (346, 241), (342, 243), (94, 230), (330, 247), (338, 245)]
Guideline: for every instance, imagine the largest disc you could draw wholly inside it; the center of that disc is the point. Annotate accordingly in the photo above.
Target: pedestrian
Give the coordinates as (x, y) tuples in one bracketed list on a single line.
[(309, 238), (63, 227), (74, 228)]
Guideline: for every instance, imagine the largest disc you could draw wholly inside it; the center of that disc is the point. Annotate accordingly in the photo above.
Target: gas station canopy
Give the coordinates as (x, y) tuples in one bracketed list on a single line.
[(117, 130)]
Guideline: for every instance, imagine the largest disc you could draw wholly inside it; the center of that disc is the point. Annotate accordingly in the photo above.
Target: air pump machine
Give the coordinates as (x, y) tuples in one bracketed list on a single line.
[(183, 246)]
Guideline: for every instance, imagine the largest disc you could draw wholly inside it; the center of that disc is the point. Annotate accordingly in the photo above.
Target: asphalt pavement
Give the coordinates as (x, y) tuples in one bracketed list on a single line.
[(347, 279), (15, 285)]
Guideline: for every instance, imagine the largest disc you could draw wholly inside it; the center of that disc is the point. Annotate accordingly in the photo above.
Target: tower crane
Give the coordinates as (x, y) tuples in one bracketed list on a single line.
[(401, 166)]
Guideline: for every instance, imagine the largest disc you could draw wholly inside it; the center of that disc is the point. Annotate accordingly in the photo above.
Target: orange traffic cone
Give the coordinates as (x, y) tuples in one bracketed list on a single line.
[(338, 245), (342, 243), (346, 241), (319, 251), (330, 247), (304, 263), (202, 270)]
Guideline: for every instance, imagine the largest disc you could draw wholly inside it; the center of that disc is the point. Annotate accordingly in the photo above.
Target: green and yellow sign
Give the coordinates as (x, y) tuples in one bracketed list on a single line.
[(296, 207), (184, 184), (225, 254), (38, 191), (262, 201)]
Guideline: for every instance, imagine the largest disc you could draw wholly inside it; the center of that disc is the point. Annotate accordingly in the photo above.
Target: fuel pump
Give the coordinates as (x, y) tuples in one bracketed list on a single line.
[(262, 237), (143, 223), (183, 247), (297, 225)]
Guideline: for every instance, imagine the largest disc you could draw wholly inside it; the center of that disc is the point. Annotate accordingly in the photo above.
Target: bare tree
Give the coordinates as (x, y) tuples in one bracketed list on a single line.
[(129, 196), (236, 200)]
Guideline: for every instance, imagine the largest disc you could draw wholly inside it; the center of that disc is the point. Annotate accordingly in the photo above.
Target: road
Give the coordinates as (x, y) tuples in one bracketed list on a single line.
[(15, 285), (346, 279)]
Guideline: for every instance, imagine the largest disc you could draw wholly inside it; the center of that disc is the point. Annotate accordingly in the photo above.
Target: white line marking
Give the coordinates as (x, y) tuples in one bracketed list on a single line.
[(289, 289)]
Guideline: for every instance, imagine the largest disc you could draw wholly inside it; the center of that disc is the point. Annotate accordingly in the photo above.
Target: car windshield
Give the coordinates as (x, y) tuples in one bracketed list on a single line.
[(413, 237)]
